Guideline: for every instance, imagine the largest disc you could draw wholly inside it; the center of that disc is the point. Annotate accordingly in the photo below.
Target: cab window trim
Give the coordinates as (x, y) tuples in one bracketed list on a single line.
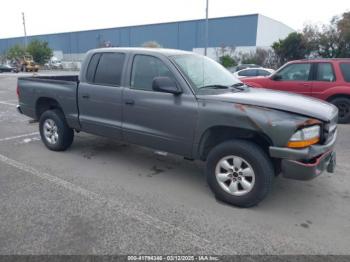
[(94, 69), (98, 62)]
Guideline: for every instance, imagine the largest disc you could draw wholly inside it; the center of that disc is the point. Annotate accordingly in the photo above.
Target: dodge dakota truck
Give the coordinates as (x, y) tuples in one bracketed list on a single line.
[(187, 104)]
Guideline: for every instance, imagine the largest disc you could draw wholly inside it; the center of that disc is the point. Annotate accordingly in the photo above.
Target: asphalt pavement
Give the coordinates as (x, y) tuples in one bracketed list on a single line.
[(106, 197)]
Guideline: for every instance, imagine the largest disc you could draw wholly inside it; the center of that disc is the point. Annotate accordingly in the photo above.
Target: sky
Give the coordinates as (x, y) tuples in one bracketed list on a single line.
[(49, 16)]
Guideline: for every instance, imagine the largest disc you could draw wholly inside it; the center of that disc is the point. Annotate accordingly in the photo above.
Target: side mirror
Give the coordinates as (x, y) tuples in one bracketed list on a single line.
[(166, 85), (276, 77)]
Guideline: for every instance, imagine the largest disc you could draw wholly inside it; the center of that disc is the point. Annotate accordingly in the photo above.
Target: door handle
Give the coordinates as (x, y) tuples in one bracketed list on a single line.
[(129, 102), (85, 96)]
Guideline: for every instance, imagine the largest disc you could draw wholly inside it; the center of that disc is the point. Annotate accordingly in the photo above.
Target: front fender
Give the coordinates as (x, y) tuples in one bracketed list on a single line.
[(277, 126)]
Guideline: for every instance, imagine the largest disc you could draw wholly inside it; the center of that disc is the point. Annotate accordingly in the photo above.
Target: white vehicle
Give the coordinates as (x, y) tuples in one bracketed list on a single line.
[(54, 63), (253, 72)]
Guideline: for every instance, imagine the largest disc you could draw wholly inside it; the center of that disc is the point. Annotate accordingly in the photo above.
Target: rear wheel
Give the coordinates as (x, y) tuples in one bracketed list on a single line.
[(343, 105), (239, 172), (54, 131)]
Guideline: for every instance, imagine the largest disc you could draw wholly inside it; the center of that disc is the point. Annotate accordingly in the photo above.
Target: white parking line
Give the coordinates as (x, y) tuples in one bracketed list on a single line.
[(19, 136), (7, 103), (115, 205)]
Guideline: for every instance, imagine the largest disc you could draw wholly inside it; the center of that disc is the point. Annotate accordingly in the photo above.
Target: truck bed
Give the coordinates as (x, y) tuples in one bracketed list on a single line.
[(61, 89), (55, 78)]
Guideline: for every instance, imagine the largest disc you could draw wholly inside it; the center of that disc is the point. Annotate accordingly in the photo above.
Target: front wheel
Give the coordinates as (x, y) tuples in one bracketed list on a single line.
[(239, 172), (54, 131), (343, 105)]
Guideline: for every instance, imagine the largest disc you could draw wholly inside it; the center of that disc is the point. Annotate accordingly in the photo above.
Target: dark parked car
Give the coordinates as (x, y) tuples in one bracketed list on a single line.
[(189, 105), (7, 68)]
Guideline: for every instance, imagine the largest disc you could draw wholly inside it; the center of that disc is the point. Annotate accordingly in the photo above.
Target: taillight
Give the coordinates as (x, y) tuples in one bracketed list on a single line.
[(17, 91)]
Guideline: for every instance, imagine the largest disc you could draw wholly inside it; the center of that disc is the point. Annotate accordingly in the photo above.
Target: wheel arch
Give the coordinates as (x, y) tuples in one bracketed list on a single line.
[(218, 134), (330, 98), (45, 103)]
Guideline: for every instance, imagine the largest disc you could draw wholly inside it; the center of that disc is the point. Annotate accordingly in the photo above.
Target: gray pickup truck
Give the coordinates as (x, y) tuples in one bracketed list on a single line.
[(189, 105)]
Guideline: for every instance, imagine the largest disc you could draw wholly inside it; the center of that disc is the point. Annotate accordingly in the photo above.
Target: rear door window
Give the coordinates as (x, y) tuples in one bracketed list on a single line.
[(325, 72), (345, 70), (109, 69), (262, 72), (295, 72)]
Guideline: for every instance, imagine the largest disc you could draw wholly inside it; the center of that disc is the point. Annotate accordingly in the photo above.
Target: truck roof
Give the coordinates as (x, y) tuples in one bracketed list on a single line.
[(164, 51)]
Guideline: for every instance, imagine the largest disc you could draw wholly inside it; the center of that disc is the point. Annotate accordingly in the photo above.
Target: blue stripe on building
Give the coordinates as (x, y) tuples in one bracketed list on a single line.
[(186, 35)]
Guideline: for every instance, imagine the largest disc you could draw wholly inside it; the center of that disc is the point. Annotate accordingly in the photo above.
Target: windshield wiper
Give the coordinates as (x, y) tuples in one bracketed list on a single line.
[(238, 86), (215, 87)]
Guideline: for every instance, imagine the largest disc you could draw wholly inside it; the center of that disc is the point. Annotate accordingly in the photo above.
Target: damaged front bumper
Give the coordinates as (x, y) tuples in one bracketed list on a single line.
[(306, 163), (294, 169)]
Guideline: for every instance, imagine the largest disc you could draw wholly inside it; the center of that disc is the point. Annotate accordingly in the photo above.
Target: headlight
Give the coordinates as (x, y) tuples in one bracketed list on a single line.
[(305, 137)]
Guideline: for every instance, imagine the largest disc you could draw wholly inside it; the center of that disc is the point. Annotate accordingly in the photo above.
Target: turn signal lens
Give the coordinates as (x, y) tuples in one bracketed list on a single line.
[(302, 144)]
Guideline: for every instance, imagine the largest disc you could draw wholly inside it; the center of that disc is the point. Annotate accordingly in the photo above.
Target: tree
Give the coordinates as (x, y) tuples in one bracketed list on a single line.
[(151, 44), (312, 35), (293, 47), (40, 51), (255, 57), (15, 51), (328, 42), (342, 25), (271, 60), (331, 40), (261, 56), (227, 61), (248, 58), (225, 56)]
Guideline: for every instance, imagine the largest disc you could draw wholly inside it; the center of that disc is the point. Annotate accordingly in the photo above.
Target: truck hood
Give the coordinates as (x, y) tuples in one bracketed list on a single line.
[(284, 101)]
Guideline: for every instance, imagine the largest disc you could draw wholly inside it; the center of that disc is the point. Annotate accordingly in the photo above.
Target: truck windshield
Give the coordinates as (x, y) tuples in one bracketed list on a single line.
[(204, 72)]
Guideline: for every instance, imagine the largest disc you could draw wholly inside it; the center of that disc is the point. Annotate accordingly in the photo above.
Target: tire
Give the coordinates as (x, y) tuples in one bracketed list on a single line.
[(343, 105), (253, 158), (53, 124)]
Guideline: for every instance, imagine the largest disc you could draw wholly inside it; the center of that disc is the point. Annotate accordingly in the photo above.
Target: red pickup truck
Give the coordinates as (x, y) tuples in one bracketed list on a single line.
[(326, 79)]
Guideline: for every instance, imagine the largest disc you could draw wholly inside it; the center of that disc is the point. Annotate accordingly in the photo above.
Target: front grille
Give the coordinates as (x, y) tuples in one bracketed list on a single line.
[(329, 130)]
